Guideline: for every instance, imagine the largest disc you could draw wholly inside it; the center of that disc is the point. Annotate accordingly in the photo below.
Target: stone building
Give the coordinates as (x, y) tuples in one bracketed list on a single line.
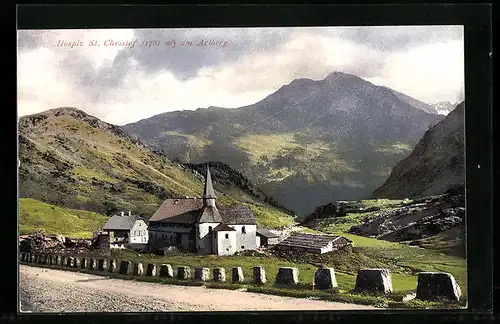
[(203, 226), (313, 243)]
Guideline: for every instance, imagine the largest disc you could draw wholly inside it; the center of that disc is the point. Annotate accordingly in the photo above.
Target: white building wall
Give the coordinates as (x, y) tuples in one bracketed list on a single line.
[(247, 240), (226, 246), (139, 232), (203, 240)]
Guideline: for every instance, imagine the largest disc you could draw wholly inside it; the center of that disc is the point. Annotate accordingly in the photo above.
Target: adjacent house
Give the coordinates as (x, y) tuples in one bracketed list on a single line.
[(203, 226), (266, 238), (313, 243), (126, 229)]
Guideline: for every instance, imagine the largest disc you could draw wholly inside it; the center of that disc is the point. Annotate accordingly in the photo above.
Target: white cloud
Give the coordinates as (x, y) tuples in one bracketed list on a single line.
[(430, 72)]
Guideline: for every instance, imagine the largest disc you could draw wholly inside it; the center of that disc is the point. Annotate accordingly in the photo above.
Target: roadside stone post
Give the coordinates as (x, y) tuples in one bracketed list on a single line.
[(71, 262), (374, 280), (42, 259), (112, 265), (85, 263), (125, 267), (166, 271), (78, 262), (237, 275), (64, 261), (183, 272), (434, 286), (151, 270), (324, 279), (259, 275), (287, 276), (92, 264), (138, 269), (219, 274), (102, 264), (202, 274), (57, 260)]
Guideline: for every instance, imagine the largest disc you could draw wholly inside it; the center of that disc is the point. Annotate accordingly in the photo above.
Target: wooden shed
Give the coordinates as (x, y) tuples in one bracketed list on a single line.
[(267, 237)]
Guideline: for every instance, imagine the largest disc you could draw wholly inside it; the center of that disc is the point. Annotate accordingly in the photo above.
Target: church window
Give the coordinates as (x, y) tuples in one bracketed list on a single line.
[(210, 229), (243, 230), (242, 246), (227, 236)]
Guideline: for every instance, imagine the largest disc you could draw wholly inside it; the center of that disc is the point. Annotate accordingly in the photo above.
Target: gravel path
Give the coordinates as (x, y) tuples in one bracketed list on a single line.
[(48, 290)]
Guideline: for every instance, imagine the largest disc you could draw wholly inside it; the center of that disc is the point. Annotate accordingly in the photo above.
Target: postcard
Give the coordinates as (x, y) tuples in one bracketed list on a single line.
[(241, 169)]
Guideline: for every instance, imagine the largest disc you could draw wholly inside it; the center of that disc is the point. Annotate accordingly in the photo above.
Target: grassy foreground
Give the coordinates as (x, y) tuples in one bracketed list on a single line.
[(393, 300)]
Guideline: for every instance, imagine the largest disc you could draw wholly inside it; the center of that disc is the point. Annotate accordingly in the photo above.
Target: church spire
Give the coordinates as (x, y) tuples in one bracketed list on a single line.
[(209, 192)]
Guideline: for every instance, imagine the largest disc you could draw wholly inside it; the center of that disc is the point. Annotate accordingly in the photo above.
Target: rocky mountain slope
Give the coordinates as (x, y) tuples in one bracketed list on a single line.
[(436, 164), (310, 142), (71, 159), (421, 222), (444, 107)]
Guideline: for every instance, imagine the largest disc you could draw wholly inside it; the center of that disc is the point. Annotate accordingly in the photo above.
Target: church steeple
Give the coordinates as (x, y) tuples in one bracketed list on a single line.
[(209, 193)]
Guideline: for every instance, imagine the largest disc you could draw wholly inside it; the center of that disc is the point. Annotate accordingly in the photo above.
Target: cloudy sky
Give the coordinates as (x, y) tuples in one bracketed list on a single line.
[(142, 73)]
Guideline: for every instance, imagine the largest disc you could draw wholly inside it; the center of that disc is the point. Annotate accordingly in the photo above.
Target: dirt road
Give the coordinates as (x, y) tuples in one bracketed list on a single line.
[(48, 290)]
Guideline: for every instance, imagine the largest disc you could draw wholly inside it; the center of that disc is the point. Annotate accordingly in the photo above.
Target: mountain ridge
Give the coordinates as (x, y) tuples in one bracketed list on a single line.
[(71, 159), (436, 164), (309, 142)]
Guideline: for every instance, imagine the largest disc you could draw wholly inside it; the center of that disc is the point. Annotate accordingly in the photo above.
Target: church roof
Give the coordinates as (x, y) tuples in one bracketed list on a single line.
[(223, 228), (188, 210), (209, 188), (210, 214)]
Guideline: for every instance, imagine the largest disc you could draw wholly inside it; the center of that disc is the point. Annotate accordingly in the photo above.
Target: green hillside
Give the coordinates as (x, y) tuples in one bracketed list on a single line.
[(74, 160), (35, 215)]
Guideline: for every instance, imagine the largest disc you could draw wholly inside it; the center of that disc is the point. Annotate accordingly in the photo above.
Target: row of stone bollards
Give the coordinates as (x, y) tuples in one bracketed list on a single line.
[(431, 285)]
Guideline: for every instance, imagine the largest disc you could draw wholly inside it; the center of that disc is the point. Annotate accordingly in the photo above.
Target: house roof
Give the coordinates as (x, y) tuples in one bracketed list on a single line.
[(188, 210), (182, 210), (311, 241), (266, 233), (223, 228), (118, 222), (208, 192), (236, 214)]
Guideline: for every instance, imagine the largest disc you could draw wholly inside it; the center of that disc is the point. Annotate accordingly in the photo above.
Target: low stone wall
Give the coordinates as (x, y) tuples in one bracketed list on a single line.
[(166, 271), (237, 275), (324, 279), (287, 276), (259, 275), (151, 270), (138, 269), (219, 274), (125, 267), (437, 286), (374, 281), (432, 286), (183, 273), (202, 274)]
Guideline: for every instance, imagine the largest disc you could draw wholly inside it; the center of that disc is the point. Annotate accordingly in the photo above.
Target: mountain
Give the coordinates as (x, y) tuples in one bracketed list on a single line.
[(414, 102), (436, 164), (444, 107), (71, 159), (310, 142)]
